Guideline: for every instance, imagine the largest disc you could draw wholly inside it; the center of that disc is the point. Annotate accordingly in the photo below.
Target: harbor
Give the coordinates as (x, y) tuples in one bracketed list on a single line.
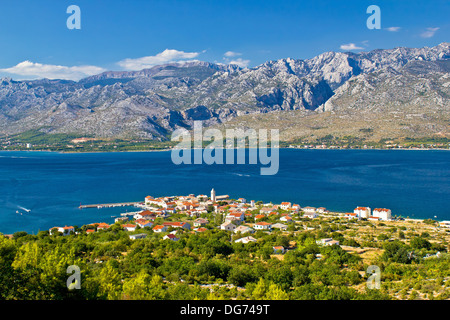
[(109, 205)]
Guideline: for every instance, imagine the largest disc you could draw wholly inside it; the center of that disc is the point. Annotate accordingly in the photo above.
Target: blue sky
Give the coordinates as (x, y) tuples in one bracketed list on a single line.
[(131, 35)]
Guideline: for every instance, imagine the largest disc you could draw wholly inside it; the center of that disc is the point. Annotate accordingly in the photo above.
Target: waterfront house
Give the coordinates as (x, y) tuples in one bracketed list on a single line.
[(64, 230), (444, 224), (350, 215), (382, 213), (321, 210), (309, 210), (265, 210), (101, 225), (148, 199), (310, 215), (285, 205), (156, 202), (146, 214), (362, 212)]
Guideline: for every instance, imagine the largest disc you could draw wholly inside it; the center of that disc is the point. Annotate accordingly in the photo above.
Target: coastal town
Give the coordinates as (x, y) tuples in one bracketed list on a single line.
[(216, 247), (239, 216)]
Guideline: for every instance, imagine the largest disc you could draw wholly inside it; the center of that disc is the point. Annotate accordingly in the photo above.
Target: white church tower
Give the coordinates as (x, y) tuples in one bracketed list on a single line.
[(213, 195)]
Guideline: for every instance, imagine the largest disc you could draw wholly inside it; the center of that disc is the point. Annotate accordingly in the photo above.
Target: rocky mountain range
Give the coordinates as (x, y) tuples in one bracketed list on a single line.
[(404, 83)]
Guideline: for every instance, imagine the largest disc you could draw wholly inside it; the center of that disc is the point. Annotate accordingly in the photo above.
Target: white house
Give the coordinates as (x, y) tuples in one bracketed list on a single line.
[(177, 224), (159, 228), (382, 213), (243, 229), (200, 222), (309, 210), (310, 215), (350, 215), (228, 226), (129, 227), (327, 242), (262, 226), (64, 230), (279, 226), (444, 224), (137, 236), (245, 240), (235, 216), (144, 223), (362, 212), (287, 219), (285, 205)]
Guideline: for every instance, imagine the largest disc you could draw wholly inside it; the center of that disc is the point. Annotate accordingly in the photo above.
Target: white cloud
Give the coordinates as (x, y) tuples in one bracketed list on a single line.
[(240, 62), (33, 70), (167, 56), (230, 54), (393, 29), (350, 46), (429, 32)]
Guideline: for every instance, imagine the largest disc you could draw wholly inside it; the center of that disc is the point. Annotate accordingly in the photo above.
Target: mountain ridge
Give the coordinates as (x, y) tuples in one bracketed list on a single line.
[(153, 102)]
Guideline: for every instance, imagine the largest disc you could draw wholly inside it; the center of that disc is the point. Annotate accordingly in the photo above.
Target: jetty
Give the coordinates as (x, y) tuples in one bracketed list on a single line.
[(109, 205)]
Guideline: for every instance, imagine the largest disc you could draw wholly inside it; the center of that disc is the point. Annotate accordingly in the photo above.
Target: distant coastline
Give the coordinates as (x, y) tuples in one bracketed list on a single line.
[(287, 148)]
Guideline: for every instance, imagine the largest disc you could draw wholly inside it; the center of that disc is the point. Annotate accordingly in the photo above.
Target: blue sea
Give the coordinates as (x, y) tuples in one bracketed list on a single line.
[(40, 190)]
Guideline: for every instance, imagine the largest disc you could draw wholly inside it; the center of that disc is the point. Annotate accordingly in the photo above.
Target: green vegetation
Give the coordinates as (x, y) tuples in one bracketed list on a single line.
[(115, 267)]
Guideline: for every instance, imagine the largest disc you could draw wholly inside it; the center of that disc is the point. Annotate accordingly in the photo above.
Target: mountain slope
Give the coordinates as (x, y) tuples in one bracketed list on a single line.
[(151, 103)]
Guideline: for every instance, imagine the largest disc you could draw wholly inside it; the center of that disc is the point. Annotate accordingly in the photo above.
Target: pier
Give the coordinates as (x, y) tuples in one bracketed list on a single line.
[(109, 205)]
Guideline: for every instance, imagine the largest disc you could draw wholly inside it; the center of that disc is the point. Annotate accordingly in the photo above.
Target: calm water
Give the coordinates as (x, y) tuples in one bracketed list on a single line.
[(52, 185)]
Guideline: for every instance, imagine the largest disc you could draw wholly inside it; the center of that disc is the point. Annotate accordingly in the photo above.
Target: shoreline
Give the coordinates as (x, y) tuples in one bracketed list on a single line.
[(287, 148)]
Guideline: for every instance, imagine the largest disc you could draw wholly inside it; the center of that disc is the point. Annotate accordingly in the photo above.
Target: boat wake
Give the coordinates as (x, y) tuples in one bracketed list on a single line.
[(24, 209), (241, 174)]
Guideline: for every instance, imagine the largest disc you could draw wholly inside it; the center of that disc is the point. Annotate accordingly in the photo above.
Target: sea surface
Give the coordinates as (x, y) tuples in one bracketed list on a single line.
[(41, 190)]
